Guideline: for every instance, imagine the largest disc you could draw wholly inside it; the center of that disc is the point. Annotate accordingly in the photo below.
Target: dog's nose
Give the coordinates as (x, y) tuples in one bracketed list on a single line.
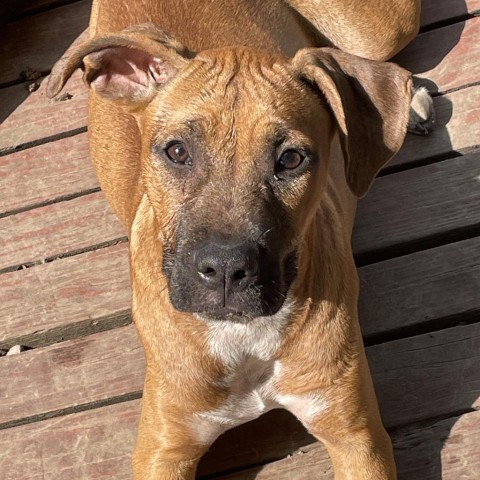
[(229, 268)]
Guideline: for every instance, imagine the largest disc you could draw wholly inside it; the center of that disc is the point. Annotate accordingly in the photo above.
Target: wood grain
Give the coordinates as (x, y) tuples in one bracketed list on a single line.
[(456, 129), (28, 118), (37, 42), (76, 372), (424, 202), (424, 288), (45, 173), (42, 233), (80, 290), (93, 445), (448, 449), (441, 366), (445, 58)]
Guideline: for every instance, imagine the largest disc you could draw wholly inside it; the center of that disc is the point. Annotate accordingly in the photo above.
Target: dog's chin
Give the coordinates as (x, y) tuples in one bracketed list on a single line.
[(233, 315), (236, 316)]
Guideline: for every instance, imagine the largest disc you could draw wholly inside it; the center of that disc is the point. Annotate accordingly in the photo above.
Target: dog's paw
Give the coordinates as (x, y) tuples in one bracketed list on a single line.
[(422, 113)]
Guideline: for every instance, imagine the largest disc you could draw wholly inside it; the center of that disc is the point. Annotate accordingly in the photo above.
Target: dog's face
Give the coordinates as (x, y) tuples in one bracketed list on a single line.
[(235, 153), (236, 150)]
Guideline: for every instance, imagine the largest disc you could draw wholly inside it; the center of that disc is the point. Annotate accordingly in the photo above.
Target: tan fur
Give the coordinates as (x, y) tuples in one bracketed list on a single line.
[(355, 128)]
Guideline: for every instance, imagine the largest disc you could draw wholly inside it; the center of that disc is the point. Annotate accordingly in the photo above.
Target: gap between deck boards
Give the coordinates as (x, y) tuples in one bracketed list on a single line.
[(83, 407), (61, 198), (449, 21), (42, 141), (59, 256)]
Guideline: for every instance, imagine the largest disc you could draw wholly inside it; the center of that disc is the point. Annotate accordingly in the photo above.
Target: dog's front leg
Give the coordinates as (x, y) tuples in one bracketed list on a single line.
[(165, 448), (363, 454), (352, 430), (344, 416)]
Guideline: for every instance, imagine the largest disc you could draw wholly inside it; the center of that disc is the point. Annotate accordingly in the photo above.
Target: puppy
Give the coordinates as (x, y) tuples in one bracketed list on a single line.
[(233, 149)]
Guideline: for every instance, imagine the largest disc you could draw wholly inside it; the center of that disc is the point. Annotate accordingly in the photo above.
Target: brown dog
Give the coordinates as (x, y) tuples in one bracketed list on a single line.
[(233, 150)]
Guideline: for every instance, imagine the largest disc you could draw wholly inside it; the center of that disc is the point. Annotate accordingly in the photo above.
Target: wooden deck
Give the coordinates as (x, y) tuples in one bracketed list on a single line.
[(69, 404)]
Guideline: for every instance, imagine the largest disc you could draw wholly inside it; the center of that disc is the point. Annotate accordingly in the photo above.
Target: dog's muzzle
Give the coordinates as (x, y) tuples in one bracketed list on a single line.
[(231, 280)]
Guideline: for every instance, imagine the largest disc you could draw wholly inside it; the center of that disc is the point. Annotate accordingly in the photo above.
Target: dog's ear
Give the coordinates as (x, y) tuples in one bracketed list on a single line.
[(127, 67), (370, 102)]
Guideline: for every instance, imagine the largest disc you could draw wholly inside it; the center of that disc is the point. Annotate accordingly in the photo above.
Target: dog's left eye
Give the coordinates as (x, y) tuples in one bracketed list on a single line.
[(290, 160), (177, 153)]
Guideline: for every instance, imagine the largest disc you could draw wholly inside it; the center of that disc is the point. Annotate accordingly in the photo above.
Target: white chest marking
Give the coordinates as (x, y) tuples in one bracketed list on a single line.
[(232, 342), (305, 407), (247, 351), (251, 393)]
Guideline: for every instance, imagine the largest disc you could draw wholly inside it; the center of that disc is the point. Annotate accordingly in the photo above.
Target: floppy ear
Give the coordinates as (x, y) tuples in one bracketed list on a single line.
[(127, 67), (370, 101)]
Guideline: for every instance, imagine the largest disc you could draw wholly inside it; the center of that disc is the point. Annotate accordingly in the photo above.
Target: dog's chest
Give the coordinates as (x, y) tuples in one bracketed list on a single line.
[(247, 353), (251, 392)]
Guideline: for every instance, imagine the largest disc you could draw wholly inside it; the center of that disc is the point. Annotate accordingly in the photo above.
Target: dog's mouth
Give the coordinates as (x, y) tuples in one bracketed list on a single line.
[(260, 293)]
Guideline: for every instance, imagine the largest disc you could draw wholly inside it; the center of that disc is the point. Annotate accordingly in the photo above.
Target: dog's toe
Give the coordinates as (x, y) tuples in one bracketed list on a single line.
[(422, 113)]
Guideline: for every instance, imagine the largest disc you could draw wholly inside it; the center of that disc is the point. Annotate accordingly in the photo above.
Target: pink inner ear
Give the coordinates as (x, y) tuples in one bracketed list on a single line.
[(128, 73)]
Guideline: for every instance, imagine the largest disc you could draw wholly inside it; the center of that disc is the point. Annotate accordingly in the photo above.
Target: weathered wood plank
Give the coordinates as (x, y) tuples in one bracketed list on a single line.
[(94, 445), (45, 173), (445, 58), (80, 290), (456, 129), (434, 11), (441, 365), (37, 42), (407, 375), (76, 372), (448, 449), (422, 288), (428, 201), (29, 118), (42, 233)]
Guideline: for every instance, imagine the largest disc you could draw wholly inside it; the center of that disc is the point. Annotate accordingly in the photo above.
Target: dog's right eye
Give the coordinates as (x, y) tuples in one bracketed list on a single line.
[(177, 153)]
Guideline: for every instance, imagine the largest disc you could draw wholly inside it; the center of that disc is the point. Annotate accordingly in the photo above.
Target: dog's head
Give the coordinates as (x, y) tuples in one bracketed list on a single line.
[(235, 152)]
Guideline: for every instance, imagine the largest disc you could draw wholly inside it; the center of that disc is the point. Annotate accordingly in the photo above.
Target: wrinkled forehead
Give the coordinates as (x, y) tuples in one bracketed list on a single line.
[(221, 90)]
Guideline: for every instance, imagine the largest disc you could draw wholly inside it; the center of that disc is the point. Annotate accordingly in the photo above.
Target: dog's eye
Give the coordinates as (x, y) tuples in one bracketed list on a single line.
[(177, 153), (290, 160)]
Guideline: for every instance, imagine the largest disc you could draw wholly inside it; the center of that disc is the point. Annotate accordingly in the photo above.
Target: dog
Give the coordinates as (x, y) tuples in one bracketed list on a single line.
[(232, 139)]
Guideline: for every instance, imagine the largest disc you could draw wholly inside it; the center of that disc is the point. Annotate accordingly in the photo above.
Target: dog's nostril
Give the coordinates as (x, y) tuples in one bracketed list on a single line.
[(207, 271), (238, 275)]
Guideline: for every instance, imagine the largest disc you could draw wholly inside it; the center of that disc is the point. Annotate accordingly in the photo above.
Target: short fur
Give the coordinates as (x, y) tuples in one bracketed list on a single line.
[(239, 80)]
